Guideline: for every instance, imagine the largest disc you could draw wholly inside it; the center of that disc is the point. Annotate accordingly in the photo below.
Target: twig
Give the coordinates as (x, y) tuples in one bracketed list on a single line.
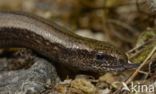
[(124, 25), (137, 70)]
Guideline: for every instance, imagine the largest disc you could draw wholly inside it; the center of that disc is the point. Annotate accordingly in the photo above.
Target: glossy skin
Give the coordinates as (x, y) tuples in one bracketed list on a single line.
[(59, 44)]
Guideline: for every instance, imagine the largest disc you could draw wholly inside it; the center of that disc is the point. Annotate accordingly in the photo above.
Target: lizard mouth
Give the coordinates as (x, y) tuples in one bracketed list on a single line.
[(122, 67), (115, 68), (131, 66)]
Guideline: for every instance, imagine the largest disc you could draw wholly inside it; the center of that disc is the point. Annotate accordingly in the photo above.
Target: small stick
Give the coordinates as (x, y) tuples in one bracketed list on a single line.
[(137, 70)]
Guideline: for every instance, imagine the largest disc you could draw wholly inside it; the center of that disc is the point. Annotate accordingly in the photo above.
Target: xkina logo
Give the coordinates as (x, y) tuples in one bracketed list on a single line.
[(138, 87)]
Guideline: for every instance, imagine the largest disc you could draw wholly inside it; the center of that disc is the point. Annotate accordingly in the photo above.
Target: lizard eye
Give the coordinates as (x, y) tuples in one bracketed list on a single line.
[(100, 56)]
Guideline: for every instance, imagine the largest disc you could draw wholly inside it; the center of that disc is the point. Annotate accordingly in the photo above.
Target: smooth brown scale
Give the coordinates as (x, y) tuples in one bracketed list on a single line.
[(58, 44)]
